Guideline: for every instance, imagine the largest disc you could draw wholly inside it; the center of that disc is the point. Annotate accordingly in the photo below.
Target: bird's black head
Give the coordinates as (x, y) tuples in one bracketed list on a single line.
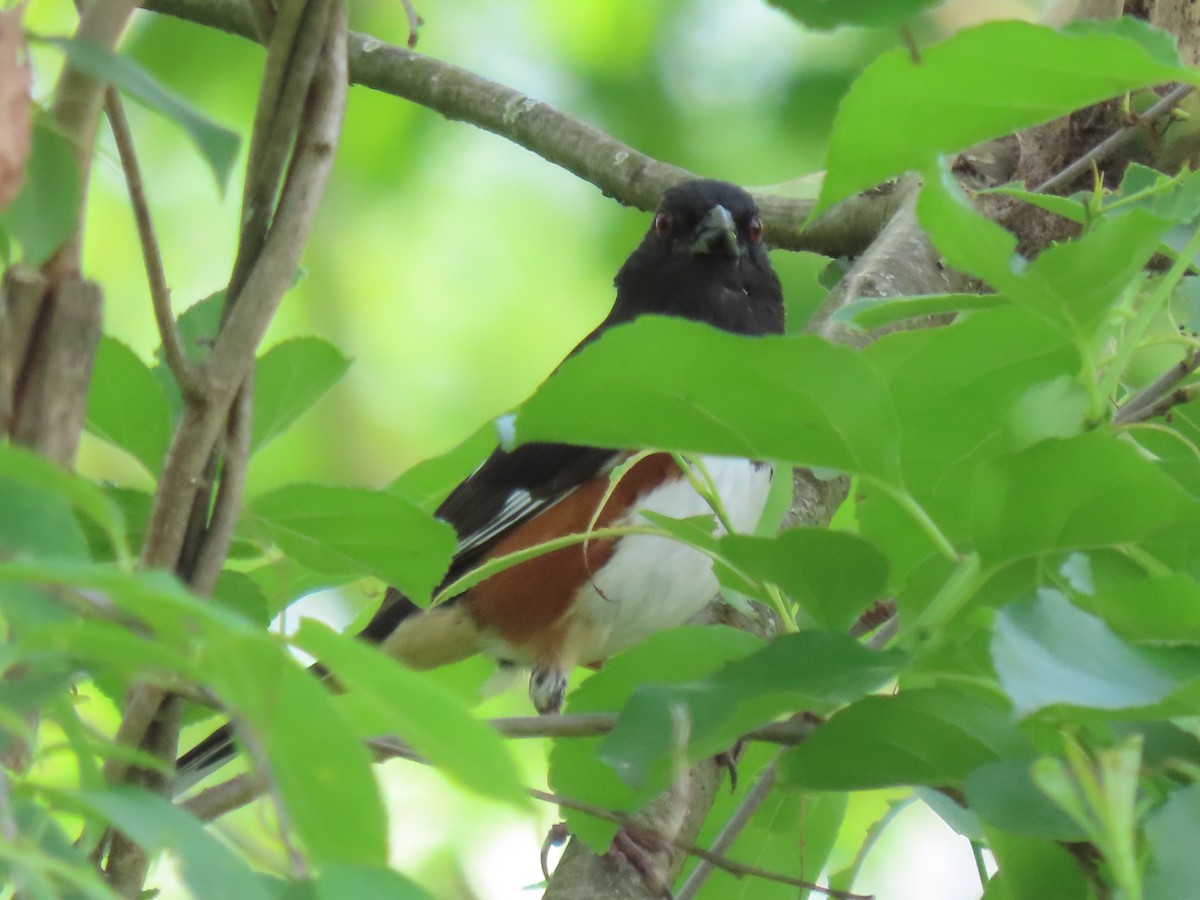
[(703, 259)]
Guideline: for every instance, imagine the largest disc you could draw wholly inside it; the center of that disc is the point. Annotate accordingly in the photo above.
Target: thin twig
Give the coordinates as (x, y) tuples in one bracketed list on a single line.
[(414, 22), (884, 635), (228, 504), (1177, 397), (1115, 140), (160, 293), (879, 613), (732, 828), (568, 725), (1157, 389)]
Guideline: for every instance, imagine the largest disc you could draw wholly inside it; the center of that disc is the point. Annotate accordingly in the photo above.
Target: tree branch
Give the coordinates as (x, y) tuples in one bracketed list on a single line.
[(618, 170), (160, 293)]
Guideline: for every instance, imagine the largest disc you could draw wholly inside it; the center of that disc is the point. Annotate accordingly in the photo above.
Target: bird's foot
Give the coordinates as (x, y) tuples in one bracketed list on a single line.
[(547, 688), (638, 846)]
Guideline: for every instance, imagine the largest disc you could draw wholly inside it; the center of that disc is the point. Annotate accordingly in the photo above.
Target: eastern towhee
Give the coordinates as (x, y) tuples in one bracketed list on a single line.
[(702, 259)]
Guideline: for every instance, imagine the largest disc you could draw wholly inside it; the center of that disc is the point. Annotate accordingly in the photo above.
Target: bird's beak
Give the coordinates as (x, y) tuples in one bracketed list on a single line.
[(717, 235)]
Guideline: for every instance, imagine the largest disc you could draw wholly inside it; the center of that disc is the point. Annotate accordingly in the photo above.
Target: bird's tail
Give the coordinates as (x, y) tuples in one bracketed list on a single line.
[(421, 639)]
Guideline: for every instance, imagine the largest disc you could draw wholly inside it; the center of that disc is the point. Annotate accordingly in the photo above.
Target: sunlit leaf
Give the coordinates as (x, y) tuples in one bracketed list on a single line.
[(1173, 866), (27, 475), (217, 145), (834, 576), (823, 15), (288, 379), (1074, 493), (930, 736), (207, 866), (983, 82), (126, 406), (44, 212), (805, 671), (677, 385), (340, 530), (421, 712)]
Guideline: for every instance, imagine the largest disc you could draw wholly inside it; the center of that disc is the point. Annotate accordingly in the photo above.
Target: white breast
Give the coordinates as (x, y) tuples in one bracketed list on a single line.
[(652, 583)]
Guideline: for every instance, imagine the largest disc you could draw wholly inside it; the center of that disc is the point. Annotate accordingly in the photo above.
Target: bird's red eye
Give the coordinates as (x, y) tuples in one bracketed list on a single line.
[(662, 224), (755, 229)]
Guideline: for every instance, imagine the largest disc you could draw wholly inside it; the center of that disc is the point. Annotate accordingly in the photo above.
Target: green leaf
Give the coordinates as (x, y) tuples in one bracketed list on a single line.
[(1076, 283), (677, 385), (672, 656), (812, 669), (902, 113), (43, 848), (29, 472), (875, 312), (134, 508), (1034, 868), (426, 715), (1086, 491), (341, 530), (1048, 652), (37, 523), (966, 239), (239, 592), (288, 379), (789, 833), (111, 647), (1173, 867), (1003, 794), (198, 326), (1068, 207), (126, 405), (430, 481), (208, 868), (319, 767), (834, 576), (1049, 409), (338, 882), (933, 736), (823, 15), (1164, 609), (43, 213), (217, 145), (954, 389)]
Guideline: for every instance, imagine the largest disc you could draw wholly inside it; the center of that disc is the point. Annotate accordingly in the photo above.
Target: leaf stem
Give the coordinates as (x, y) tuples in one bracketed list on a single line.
[(1137, 330), (924, 521)]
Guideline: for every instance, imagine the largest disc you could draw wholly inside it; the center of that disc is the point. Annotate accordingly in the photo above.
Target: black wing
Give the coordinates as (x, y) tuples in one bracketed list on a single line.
[(508, 489)]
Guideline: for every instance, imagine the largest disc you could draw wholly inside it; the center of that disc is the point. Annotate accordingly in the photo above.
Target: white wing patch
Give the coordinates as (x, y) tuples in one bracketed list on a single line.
[(518, 506)]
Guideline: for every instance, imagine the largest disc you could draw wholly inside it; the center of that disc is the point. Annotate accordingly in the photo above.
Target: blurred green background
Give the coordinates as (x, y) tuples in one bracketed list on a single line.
[(457, 269)]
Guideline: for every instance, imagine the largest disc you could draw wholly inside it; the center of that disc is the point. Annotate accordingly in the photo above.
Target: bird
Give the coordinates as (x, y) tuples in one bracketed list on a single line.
[(703, 258)]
